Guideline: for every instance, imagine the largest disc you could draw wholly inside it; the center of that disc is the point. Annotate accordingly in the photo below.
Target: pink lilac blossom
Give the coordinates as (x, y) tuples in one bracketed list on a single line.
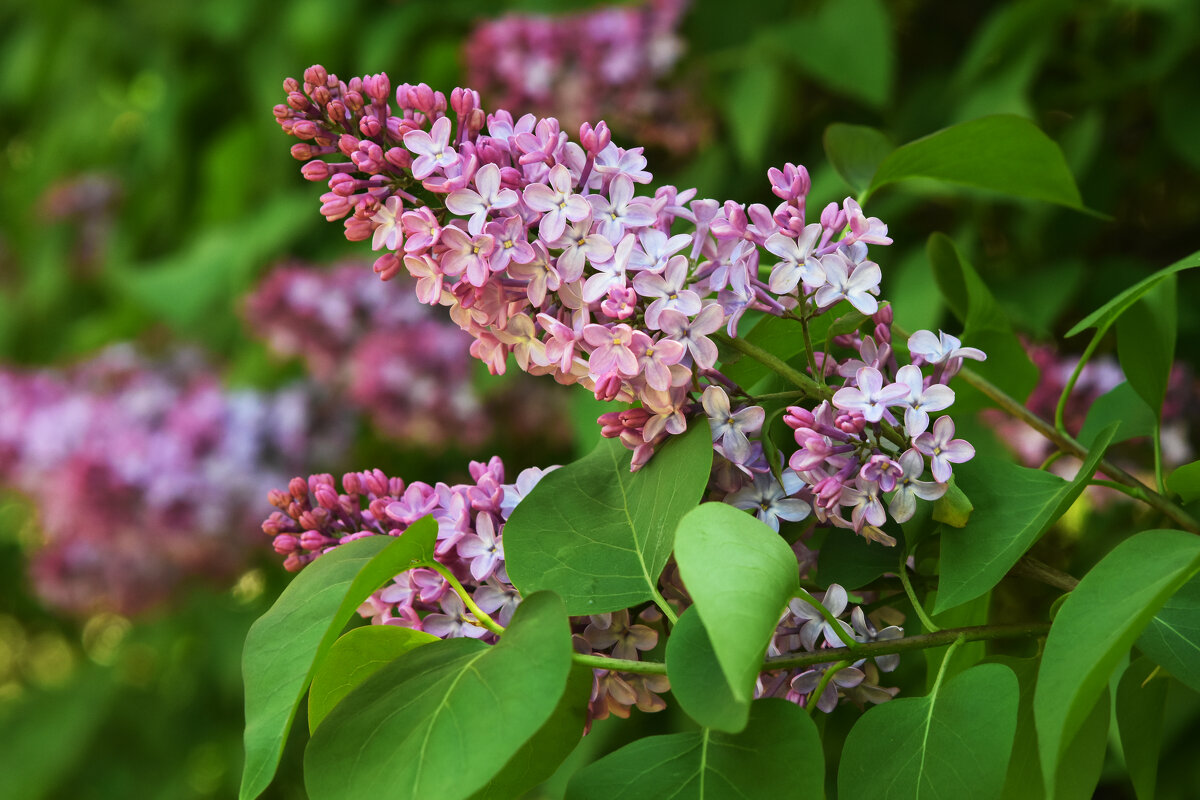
[(614, 62), (611, 302), (143, 474)]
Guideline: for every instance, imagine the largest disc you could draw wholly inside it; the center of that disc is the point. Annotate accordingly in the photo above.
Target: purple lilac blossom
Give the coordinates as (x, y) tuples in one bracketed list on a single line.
[(144, 474)]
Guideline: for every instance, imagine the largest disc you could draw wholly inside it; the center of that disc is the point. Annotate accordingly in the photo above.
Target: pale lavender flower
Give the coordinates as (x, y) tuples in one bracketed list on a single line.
[(731, 430), (943, 449), (558, 203), (432, 149), (617, 212), (478, 204), (483, 548), (921, 399), (668, 290), (454, 621), (941, 348), (388, 232), (694, 332), (870, 397), (771, 502), (858, 288), (798, 263), (903, 503)]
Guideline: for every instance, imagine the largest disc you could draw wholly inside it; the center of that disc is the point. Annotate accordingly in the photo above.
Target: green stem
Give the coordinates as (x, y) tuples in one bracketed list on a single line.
[(924, 641), (1050, 459), (808, 348), (1061, 408), (461, 591), (620, 664), (811, 704), (1068, 444), (912, 596), (1116, 487), (830, 619), (937, 683), (1158, 456), (665, 608)]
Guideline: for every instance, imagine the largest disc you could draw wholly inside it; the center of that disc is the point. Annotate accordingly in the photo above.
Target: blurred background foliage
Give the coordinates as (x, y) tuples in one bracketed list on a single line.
[(145, 189)]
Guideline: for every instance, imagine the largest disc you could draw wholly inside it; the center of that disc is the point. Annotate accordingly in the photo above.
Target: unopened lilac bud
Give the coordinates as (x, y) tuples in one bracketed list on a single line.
[(286, 543), (474, 122), (352, 483), (883, 333), (348, 144), (464, 101), (610, 424), (398, 157), (304, 129), (354, 537), (298, 487), (315, 540), (376, 482), (327, 497), (358, 229), (404, 96), (378, 507), (275, 524), (851, 422), (387, 266), (344, 185), (608, 387), (278, 499), (594, 139), (422, 99), (316, 75), (334, 206), (316, 171), (298, 101), (797, 417), (291, 85), (370, 126), (377, 87), (833, 218)]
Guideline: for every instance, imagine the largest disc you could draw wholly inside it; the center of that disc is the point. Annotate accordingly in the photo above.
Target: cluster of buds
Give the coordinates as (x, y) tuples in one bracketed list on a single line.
[(545, 254), (408, 369), (313, 517), (611, 62), (140, 472)]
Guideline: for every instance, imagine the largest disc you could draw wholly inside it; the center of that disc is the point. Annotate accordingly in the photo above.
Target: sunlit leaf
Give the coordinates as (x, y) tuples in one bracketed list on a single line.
[(954, 742), (1121, 404), (740, 574), (1185, 481), (286, 645), (358, 655), (777, 755), (818, 42), (599, 535), (445, 719), (1146, 342), (1014, 506), (697, 683), (1097, 625), (856, 152)]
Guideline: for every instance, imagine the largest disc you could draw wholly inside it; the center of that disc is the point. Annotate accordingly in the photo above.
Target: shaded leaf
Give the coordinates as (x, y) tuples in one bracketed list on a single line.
[(818, 43), (955, 742), (856, 152), (697, 682), (1146, 343), (358, 655), (986, 326), (740, 574), (1185, 481), (285, 645), (1000, 153), (599, 535), (954, 507), (1140, 706), (1097, 625), (1014, 506), (427, 724), (1172, 639), (1085, 753), (851, 560), (753, 102), (777, 755), (1120, 404)]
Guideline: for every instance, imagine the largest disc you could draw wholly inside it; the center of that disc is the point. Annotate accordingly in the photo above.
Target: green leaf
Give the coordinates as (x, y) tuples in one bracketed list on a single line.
[(856, 152), (1140, 706), (753, 103), (697, 682), (740, 574), (599, 535), (819, 43), (1097, 625), (358, 655), (1185, 481), (777, 755), (954, 742), (852, 561), (541, 756), (445, 719), (954, 507), (1146, 343), (1172, 639), (1014, 506), (1120, 404), (285, 646), (1000, 153), (986, 326), (1108, 313), (1084, 755)]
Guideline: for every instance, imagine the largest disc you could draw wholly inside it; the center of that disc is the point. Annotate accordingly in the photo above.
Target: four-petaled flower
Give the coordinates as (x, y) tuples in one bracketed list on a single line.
[(870, 397), (943, 449)]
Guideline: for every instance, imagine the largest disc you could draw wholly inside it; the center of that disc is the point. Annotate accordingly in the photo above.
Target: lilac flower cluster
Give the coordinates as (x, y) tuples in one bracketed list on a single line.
[(313, 517), (139, 472), (804, 627), (544, 252), (409, 370), (611, 62)]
